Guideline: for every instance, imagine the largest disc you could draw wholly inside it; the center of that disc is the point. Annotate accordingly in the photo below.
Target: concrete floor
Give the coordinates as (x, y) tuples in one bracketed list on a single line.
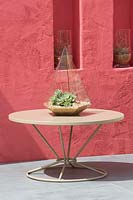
[(118, 185)]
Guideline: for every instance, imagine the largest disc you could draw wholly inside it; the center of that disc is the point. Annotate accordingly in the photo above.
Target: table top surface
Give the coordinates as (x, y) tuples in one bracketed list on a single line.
[(46, 117)]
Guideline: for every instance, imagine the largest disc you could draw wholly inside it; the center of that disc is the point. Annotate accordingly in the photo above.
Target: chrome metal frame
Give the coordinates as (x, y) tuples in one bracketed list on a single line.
[(66, 161)]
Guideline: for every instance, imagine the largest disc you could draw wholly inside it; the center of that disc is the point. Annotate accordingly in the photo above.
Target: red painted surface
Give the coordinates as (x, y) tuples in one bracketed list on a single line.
[(122, 14), (26, 69), (123, 17), (66, 17), (131, 21), (76, 33)]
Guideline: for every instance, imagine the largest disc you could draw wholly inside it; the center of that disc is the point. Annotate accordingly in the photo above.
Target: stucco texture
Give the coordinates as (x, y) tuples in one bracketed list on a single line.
[(26, 77)]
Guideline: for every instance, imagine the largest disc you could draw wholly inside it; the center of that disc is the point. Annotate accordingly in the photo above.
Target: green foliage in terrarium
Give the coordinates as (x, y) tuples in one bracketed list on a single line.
[(65, 99)]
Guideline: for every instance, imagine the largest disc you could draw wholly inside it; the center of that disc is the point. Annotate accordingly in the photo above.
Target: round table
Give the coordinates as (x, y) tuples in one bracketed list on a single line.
[(46, 117)]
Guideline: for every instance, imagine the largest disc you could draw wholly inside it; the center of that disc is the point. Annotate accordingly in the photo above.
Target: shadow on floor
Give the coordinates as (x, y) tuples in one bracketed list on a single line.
[(117, 171)]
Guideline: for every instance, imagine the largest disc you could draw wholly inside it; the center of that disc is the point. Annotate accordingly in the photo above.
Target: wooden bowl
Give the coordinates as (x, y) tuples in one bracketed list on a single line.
[(69, 111)]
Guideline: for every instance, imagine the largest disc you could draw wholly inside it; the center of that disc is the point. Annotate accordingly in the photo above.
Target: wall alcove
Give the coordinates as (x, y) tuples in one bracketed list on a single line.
[(123, 35), (66, 19)]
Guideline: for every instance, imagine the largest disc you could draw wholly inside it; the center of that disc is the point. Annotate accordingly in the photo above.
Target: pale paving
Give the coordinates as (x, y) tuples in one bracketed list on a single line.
[(118, 185)]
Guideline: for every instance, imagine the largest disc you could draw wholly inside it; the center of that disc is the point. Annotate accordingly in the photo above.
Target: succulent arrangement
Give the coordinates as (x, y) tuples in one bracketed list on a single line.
[(65, 99), (122, 55), (66, 103), (121, 50)]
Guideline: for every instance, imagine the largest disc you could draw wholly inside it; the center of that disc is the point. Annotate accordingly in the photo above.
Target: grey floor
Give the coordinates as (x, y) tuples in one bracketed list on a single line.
[(118, 185)]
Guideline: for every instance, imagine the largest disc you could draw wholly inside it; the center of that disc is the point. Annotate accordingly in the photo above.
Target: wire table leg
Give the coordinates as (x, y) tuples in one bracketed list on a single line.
[(62, 143), (45, 141), (62, 171), (70, 140), (66, 161), (88, 140)]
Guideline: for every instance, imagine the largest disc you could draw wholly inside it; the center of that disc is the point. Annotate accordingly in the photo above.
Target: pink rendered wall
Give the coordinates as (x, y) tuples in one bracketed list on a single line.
[(26, 70), (108, 88), (26, 61)]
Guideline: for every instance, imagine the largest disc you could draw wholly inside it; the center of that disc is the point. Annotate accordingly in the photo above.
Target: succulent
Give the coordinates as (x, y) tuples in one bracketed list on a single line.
[(65, 99), (121, 50)]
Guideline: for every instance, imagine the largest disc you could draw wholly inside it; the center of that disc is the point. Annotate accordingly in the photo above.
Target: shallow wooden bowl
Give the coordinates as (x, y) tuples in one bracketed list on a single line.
[(69, 111)]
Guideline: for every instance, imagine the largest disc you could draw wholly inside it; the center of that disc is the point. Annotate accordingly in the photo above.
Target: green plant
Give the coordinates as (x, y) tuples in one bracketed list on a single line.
[(62, 99), (121, 50)]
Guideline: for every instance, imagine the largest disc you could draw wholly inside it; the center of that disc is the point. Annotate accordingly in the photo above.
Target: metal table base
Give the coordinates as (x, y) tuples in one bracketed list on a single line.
[(66, 162)]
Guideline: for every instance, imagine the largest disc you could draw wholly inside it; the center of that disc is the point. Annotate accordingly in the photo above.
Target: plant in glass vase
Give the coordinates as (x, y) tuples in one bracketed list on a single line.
[(122, 49), (122, 55), (69, 96), (66, 103)]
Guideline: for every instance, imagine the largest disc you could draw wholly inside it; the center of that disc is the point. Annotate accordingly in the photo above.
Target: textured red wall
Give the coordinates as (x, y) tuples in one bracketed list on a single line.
[(108, 87), (26, 69), (26, 62)]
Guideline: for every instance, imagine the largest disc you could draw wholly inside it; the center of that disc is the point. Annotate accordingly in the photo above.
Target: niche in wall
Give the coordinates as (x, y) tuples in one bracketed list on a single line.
[(123, 36), (66, 27)]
